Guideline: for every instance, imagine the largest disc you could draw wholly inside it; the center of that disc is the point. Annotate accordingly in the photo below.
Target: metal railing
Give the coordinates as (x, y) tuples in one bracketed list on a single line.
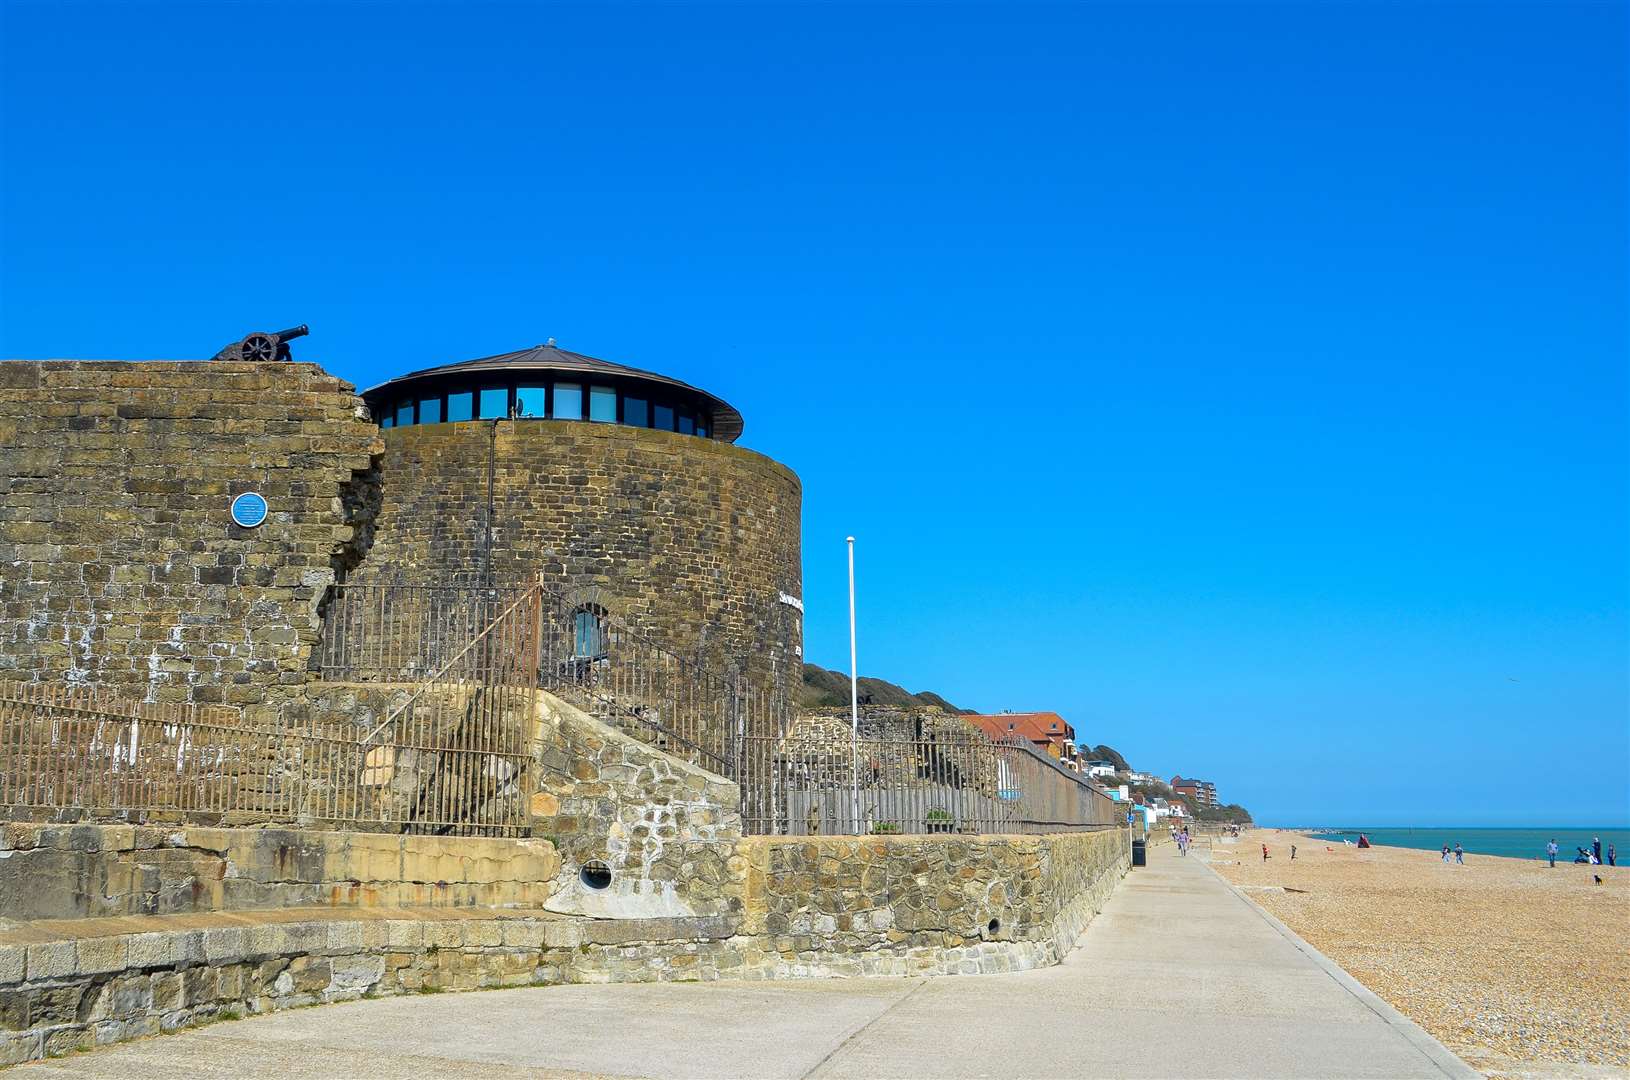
[(830, 782), (795, 777), (450, 757)]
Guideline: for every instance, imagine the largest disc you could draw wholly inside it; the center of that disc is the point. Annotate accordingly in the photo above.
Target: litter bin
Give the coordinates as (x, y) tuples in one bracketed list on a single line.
[(1140, 853)]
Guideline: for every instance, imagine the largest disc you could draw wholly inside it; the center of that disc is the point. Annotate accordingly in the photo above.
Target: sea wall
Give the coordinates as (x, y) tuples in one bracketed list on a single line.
[(821, 907), (909, 905)]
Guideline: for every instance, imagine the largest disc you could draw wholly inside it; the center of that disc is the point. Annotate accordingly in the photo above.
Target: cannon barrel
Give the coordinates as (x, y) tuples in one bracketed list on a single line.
[(292, 332)]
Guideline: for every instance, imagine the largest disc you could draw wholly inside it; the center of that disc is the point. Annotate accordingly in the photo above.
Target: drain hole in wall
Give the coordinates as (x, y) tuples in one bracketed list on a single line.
[(994, 926), (596, 875)]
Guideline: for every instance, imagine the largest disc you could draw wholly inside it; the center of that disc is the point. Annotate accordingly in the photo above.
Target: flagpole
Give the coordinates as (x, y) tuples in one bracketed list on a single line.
[(854, 700)]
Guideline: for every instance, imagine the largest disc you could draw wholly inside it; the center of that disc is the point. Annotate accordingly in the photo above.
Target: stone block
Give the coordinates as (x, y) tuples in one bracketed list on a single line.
[(52, 960), (356, 972), (225, 944), (13, 963), (102, 954)]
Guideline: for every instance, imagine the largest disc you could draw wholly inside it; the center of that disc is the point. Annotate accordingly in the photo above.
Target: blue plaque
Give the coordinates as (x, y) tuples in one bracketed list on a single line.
[(249, 509)]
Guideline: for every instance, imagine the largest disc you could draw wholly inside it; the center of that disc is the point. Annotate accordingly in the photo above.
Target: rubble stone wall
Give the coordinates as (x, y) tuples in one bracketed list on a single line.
[(664, 829), (908, 905), (120, 565)]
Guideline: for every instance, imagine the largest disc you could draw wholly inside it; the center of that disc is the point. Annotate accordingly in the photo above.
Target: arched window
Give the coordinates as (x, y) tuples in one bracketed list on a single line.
[(589, 632)]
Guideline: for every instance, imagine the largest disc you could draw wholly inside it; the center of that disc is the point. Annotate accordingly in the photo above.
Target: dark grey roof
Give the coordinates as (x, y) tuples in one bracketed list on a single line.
[(727, 422)]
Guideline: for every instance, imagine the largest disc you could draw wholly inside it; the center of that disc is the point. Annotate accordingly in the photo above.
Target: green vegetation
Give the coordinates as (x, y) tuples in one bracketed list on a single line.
[(885, 827), (825, 689)]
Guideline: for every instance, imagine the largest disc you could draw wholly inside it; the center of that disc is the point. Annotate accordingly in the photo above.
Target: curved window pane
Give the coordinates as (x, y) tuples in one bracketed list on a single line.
[(459, 406), (430, 410), (662, 416), (568, 401), (529, 401), (404, 414), (636, 412), (603, 404), (701, 429), (494, 402), (388, 421), (687, 425)]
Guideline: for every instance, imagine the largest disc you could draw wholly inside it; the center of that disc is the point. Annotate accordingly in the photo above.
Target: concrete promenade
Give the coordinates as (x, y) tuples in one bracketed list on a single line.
[(1180, 976)]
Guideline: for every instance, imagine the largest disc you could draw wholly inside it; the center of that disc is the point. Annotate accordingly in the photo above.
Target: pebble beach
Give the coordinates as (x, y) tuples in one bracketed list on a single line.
[(1521, 969)]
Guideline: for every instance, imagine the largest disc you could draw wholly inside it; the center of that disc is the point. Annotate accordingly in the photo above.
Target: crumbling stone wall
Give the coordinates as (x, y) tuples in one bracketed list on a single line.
[(691, 540), (664, 829), (120, 565)]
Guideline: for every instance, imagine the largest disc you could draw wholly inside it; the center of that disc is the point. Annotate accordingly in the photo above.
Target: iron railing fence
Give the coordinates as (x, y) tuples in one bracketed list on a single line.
[(450, 756), (598, 661), (399, 632), (830, 782), (796, 777)]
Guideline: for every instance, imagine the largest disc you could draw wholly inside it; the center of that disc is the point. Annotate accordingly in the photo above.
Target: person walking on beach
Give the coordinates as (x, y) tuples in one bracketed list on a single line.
[(1460, 854), (1293, 851), (1550, 850), (1596, 848), (1264, 852), (1612, 855), (1446, 854)]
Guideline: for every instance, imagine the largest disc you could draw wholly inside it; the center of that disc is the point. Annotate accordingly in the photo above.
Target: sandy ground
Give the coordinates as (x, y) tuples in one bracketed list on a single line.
[(1522, 970)]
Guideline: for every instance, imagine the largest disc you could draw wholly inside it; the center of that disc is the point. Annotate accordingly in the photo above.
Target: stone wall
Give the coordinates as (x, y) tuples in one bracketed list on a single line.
[(105, 981), (95, 871), (693, 541), (121, 565), (663, 829), (907, 905), (829, 906)]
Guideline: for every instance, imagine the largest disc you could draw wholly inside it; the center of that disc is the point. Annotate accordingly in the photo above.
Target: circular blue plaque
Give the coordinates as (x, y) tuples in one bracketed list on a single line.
[(249, 509)]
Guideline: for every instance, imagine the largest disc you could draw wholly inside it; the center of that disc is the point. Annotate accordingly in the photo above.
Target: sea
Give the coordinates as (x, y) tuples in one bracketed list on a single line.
[(1510, 843)]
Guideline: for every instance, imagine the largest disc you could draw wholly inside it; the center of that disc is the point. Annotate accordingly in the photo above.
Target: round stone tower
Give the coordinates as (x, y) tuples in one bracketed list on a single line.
[(622, 487)]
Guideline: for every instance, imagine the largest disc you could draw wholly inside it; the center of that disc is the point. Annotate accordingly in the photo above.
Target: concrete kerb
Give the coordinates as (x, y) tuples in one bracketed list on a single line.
[(1439, 1055)]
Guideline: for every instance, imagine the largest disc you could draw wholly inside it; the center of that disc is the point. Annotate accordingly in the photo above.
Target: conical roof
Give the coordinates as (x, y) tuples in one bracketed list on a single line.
[(549, 357)]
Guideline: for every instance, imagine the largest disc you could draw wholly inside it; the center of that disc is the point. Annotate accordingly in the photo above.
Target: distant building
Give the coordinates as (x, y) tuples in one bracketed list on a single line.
[(1200, 792), (1046, 731), (1098, 768)]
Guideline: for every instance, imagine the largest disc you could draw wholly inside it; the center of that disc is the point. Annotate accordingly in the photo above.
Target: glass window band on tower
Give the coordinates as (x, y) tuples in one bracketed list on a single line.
[(538, 401), (548, 383)]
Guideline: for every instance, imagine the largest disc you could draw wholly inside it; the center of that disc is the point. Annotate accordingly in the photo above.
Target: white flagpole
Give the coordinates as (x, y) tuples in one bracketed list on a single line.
[(854, 700)]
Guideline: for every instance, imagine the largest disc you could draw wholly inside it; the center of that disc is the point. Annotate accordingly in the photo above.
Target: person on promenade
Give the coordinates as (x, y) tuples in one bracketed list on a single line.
[(1460, 854), (1550, 850)]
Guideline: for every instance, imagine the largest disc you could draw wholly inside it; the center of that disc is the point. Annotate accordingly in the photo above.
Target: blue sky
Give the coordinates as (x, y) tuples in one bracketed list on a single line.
[(1246, 383)]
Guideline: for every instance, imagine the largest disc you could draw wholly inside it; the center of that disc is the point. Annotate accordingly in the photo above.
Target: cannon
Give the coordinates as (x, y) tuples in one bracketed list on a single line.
[(263, 346)]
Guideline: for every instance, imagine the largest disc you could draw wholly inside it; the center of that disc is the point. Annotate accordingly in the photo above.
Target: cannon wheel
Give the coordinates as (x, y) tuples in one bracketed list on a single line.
[(260, 347)]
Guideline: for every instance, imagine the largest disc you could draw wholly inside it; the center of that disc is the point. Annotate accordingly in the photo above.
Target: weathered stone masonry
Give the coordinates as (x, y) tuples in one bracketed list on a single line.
[(801, 907), (120, 566), (693, 541)]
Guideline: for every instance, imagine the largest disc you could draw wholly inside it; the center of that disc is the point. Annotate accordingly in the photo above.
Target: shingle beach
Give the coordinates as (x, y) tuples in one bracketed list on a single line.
[(1521, 969)]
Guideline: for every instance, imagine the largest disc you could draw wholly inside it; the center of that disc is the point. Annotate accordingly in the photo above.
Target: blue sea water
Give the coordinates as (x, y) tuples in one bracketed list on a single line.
[(1511, 843)]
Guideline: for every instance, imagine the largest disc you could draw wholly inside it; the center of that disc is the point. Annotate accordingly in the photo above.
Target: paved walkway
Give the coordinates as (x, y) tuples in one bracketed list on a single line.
[(1180, 976)]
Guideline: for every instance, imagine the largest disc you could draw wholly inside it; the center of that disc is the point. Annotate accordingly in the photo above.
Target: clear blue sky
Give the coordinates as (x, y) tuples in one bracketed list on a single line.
[(1247, 383)]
